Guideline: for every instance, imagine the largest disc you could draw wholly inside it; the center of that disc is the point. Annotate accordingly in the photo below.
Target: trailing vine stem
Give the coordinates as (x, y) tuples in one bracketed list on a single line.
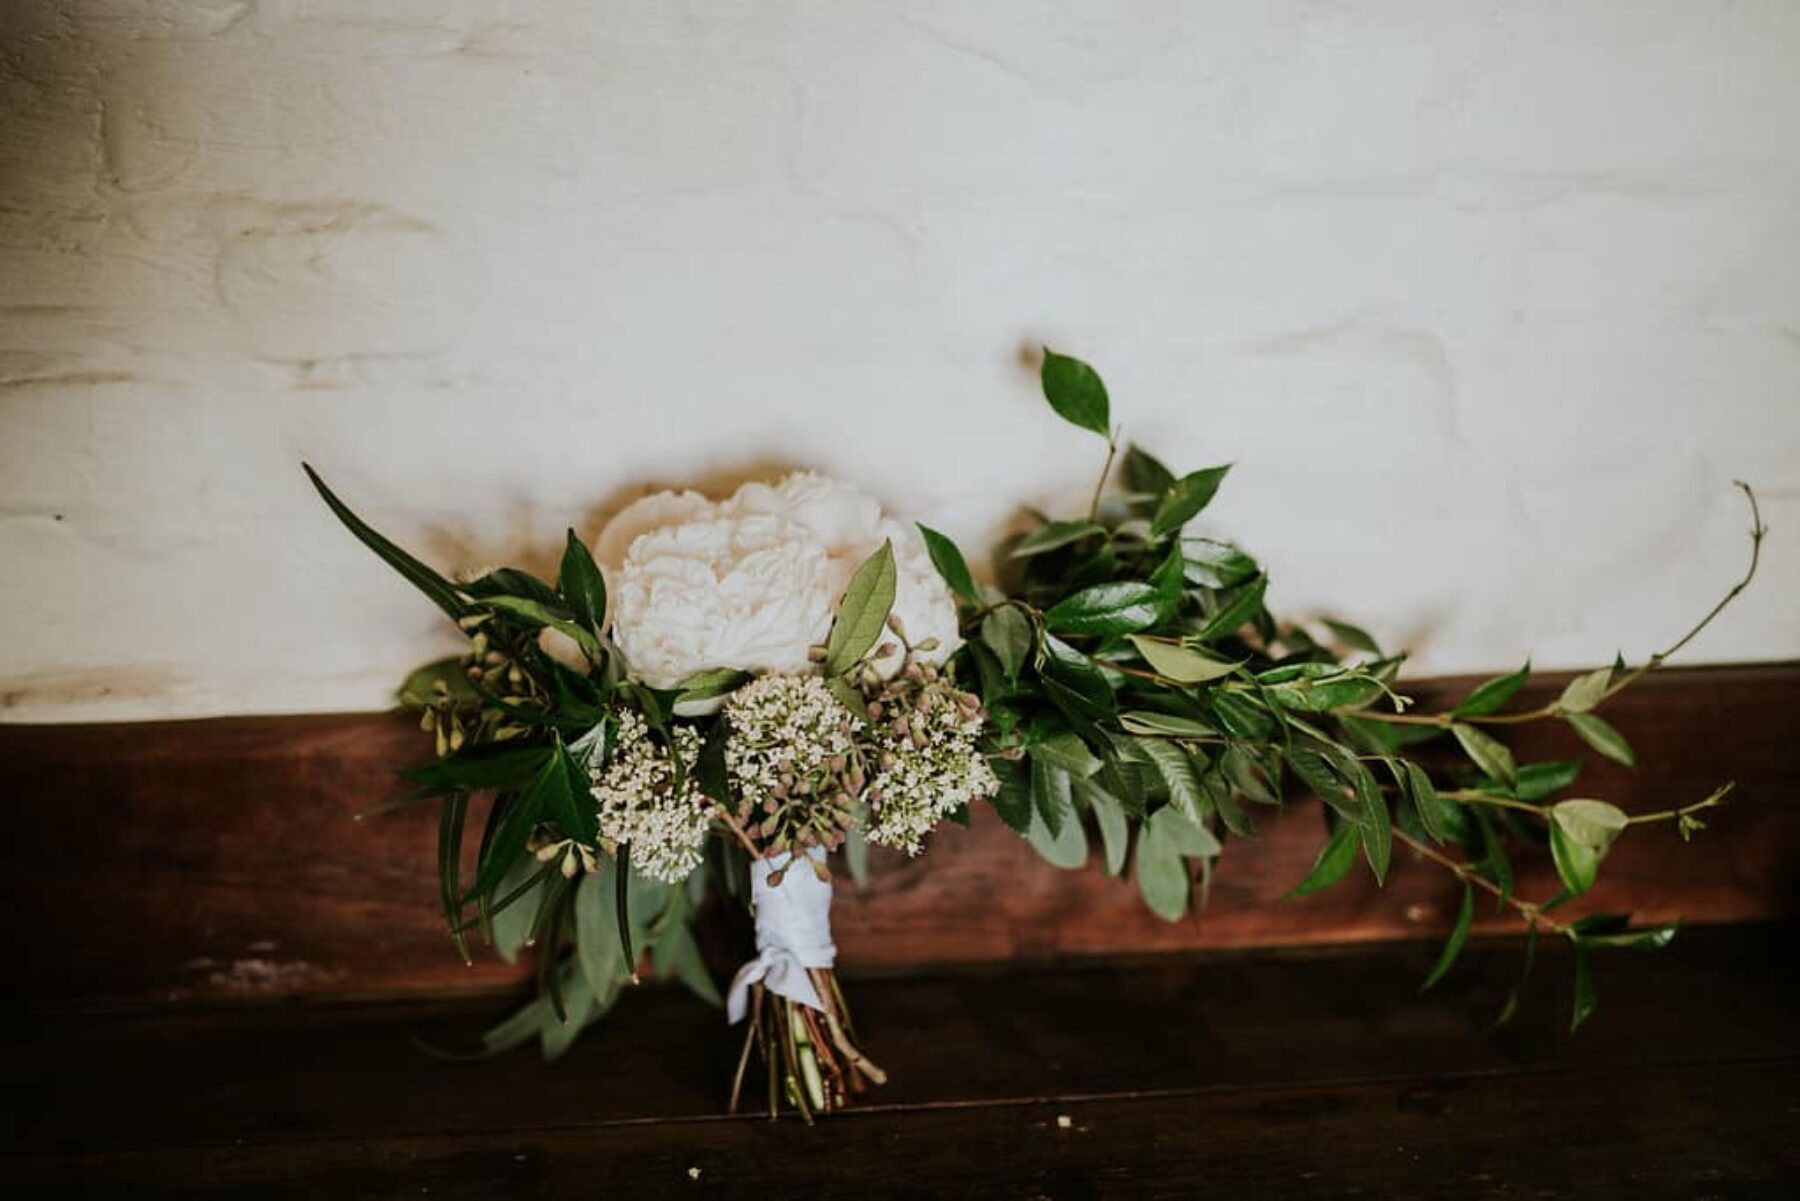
[(1471, 796), (1530, 913), (1554, 708)]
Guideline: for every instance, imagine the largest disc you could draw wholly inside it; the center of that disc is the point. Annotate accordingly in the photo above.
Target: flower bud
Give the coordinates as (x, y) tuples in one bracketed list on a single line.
[(895, 624)]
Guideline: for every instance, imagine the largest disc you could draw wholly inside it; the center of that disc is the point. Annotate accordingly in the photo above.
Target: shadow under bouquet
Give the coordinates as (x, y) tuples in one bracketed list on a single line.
[(723, 698)]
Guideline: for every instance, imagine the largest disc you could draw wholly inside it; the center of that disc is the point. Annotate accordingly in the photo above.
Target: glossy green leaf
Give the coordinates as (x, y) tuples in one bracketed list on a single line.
[(863, 613), (581, 584), (1492, 695), (478, 769), (1185, 499), (1249, 776), (950, 564), (1007, 632), (1333, 861), (440, 591), (1598, 733), (1240, 608), (1486, 752), (1075, 391), (1594, 824), (1539, 781), (1377, 830), (1217, 564), (532, 613), (1459, 937), (1117, 608), (1053, 536), (1144, 474), (1182, 664)]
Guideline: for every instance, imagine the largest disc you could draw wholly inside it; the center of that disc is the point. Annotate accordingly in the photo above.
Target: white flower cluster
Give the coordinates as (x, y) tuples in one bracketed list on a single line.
[(639, 806), (929, 764), (750, 582), (792, 760)]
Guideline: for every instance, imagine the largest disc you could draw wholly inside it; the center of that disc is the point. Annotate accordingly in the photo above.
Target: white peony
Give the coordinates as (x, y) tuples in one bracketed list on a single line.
[(751, 582)]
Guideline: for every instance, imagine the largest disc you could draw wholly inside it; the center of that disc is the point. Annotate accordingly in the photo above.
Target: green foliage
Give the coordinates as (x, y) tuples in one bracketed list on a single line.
[(1074, 390), (863, 613), (951, 565)]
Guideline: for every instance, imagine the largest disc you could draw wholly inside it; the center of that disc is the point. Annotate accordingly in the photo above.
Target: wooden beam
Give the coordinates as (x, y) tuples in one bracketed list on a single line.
[(222, 859)]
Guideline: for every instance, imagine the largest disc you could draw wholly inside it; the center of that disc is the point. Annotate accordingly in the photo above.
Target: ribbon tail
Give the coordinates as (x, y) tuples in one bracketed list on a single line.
[(779, 970)]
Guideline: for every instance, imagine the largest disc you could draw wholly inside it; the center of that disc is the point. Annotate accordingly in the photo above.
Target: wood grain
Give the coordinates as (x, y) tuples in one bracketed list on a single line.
[(212, 860), (1294, 1073)]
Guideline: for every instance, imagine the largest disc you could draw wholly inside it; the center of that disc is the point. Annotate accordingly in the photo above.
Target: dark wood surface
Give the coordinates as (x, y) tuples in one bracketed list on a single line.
[(220, 860), (1298, 1073)]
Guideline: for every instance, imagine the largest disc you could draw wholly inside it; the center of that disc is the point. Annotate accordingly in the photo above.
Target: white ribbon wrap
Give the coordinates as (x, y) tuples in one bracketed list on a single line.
[(793, 933)]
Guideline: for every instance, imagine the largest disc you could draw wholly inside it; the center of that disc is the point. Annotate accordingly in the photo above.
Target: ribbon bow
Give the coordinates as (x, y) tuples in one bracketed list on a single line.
[(793, 933)]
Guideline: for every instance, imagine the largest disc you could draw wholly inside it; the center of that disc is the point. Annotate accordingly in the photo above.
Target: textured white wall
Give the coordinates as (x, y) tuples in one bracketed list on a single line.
[(1489, 302)]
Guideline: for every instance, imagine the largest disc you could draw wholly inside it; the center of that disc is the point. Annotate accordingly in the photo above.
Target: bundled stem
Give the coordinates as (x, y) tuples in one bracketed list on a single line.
[(809, 1056)]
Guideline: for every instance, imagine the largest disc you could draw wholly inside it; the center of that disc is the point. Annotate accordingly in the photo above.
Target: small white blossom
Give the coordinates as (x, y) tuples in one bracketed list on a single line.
[(929, 765), (638, 804), (791, 757)]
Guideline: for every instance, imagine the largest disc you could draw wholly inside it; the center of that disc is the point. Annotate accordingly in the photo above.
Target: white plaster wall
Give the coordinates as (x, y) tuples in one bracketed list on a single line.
[(1489, 302)]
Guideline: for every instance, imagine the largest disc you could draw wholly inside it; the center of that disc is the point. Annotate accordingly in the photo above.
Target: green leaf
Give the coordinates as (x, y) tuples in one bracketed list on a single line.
[(1008, 633), (1144, 473), (1594, 824), (1426, 802), (1518, 990), (1162, 876), (1487, 753), (679, 955), (510, 581), (581, 584), (1321, 776), (1061, 841), (478, 769), (951, 565), (1067, 752), (1240, 608), (513, 831), (863, 613), (1538, 781), (1378, 831), (1488, 697), (1249, 775), (441, 592), (1117, 608), (1585, 996), (1185, 499), (1145, 721), (1177, 772), (1013, 799), (597, 947), (1649, 938), (710, 683), (1181, 664), (1459, 936), (533, 613), (1354, 637), (1576, 864), (1052, 536), (450, 840), (1181, 832), (1217, 564), (1585, 691), (1074, 390), (1598, 733), (1333, 861), (1109, 816), (566, 797)]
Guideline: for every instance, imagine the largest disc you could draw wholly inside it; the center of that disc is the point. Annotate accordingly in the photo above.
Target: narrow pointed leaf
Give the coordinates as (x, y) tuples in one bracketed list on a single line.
[(1598, 733), (1075, 391), (581, 584), (951, 565), (1185, 499), (1182, 664), (864, 611), (1459, 935), (441, 592)]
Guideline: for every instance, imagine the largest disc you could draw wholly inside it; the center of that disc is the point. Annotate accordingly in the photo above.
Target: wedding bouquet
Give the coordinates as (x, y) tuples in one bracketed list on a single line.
[(721, 695)]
